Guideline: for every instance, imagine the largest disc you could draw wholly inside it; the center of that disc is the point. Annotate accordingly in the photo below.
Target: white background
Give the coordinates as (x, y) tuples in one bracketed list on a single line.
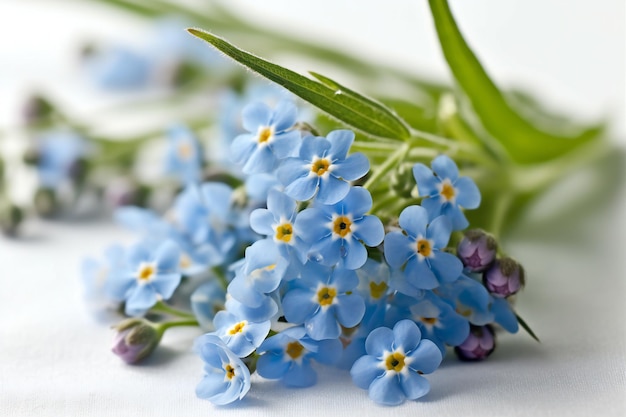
[(54, 359)]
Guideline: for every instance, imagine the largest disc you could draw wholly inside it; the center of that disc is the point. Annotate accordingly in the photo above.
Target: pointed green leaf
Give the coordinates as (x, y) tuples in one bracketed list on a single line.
[(525, 142), (351, 109), (526, 327)]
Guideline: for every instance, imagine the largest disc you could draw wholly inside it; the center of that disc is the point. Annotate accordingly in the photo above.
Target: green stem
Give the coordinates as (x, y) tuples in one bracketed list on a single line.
[(387, 166), (162, 327), (161, 307), (221, 277)]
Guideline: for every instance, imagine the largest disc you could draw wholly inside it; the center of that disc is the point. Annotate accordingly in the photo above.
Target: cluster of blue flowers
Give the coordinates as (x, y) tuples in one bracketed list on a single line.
[(291, 268)]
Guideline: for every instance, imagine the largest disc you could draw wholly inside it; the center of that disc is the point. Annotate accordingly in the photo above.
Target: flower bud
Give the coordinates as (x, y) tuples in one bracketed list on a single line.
[(477, 250), (504, 278), (45, 202), (135, 340), (479, 344), (10, 217)]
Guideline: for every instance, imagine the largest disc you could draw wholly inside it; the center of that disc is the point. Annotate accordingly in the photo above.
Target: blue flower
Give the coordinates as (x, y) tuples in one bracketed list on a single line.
[(469, 298), (206, 301), (184, 157), (270, 138), (119, 68), (439, 322), (149, 274), (445, 192), (241, 336), (57, 156), (323, 167), (261, 274), (419, 249), (267, 310), (335, 232), (278, 223), (324, 300), (96, 280), (391, 370), (226, 377), (287, 356)]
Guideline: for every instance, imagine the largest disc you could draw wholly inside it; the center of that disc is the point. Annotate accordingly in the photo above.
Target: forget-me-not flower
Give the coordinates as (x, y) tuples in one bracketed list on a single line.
[(445, 192), (226, 378), (338, 232), (270, 137), (323, 167), (184, 157), (419, 248), (287, 356), (241, 336), (395, 361), (150, 274), (324, 300)]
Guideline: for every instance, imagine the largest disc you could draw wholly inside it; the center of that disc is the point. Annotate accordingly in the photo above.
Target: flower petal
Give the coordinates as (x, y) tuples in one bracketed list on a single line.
[(398, 248), (425, 358), (353, 167), (340, 140), (419, 274), (323, 325), (379, 341), (255, 115), (261, 222), (414, 220), (332, 190), (439, 231), (370, 230), (350, 310), (468, 193), (365, 370), (284, 115), (298, 305), (407, 335), (445, 167), (414, 386), (426, 181), (446, 266), (386, 390)]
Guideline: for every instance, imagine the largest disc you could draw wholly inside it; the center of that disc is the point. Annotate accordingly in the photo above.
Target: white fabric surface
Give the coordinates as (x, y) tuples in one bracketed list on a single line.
[(55, 360)]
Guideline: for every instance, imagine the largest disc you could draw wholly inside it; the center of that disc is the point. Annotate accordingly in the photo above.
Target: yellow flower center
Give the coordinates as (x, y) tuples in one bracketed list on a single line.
[(265, 134), (447, 191), (284, 232), (341, 226), (326, 295), (320, 166), (429, 320), (424, 248), (230, 371), (294, 350), (185, 261), (377, 290), (237, 328), (185, 151), (146, 272), (395, 361)]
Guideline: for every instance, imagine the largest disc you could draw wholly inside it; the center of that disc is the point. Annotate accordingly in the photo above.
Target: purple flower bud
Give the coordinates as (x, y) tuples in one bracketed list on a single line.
[(477, 250), (479, 344), (135, 340), (504, 278)]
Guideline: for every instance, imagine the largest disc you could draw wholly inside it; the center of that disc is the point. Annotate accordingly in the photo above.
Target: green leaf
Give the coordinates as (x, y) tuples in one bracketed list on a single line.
[(526, 327), (352, 109), (525, 142)]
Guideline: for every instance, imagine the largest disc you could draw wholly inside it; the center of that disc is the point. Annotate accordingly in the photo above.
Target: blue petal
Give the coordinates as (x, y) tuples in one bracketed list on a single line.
[(243, 291), (426, 357), (456, 216), (313, 146), (302, 188), (261, 160), (298, 305), (323, 325), (332, 190), (414, 220), (340, 140), (281, 205), (329, 251), (406, 335), (445, 167), (328, 351), (354, 255), (357, 202), (439, 231), (211, 385), (285, 144), (504, 315), (261, 222), (260, 254), (255, 115), (300, 375), (166, 284), (272, 366), (426, 181), (242, 147), (352, 168), (141, 299), (379, 341), (446, 266), (386, 390), (420, 275), (370, 230), (414, 386), (167, 257), (398, 248), (433, 206), (285, 115), (350, 310), (468, 193), (217, 198), (344, 280), (365, 370), (311, 225), (291, 169)]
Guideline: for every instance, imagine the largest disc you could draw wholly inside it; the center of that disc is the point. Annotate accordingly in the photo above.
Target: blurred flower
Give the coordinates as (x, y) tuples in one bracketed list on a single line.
[(418, 248), (57, 156), (287, 356), (206, 301), (323, 167), (135, 339), (391, 371), (445, 192), (96, 277), (184, 156), (226, 377), (118, 68)]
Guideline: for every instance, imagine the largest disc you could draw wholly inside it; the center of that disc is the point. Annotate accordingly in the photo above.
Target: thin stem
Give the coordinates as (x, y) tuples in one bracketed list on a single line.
[(387, 166), (168, 324), (160, 306)]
